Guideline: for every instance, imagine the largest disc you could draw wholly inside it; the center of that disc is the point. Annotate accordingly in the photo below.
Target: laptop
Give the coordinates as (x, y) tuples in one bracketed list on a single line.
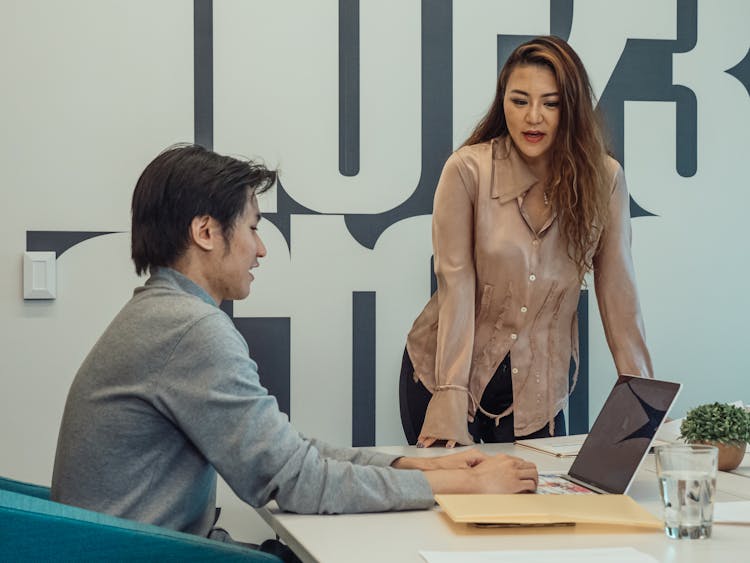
[(619, 439)]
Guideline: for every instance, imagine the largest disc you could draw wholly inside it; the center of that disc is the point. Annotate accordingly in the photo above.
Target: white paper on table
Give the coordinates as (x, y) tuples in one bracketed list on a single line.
[(608, 554), (747, 408), (670, 431), (732, 512)]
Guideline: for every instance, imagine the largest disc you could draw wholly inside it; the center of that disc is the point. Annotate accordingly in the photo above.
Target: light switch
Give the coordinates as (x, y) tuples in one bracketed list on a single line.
[(39, 275)]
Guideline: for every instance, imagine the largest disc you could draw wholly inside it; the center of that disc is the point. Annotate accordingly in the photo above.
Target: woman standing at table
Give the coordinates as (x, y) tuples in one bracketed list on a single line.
[(524, 209)]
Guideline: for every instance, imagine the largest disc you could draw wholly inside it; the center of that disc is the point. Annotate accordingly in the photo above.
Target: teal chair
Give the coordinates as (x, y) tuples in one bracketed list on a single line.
[(34, 528)]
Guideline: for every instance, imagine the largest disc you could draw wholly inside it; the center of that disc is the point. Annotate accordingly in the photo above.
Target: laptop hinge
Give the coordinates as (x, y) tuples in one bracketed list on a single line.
[(584, 484)]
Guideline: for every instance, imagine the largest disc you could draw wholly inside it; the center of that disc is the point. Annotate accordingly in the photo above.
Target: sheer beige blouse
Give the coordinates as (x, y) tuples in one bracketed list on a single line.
[(504, 288)]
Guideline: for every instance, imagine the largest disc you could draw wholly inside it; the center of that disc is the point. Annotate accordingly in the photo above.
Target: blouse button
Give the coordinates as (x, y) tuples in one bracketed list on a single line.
[(535, 242), (532, 277), (513, 336), (524, 309), (514, 370)]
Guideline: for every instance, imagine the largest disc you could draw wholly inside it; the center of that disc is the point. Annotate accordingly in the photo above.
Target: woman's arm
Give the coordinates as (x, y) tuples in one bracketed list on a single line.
[(616, 292), (453, 248)]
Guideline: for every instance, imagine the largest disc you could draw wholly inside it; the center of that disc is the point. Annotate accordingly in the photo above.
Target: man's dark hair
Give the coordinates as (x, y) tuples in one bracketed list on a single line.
[(184, 182)]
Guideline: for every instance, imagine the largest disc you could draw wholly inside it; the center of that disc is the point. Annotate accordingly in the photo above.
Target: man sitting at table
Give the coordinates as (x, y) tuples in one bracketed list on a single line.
[(169, 396)]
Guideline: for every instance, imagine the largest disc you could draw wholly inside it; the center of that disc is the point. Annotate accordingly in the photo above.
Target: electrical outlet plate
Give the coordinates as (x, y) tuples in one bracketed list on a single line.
[(39, 275)]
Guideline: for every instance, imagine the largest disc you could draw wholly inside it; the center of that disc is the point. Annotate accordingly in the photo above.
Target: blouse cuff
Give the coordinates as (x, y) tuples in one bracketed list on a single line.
[(447, 416)]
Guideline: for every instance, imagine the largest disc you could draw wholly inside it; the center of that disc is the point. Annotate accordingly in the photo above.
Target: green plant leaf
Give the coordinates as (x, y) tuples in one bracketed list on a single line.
[(716, 422)]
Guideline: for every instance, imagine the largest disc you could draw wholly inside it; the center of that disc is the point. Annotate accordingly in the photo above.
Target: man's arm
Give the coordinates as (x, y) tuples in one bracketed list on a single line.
[(465, 459), (358, 456), (212, 392), (217, 400)]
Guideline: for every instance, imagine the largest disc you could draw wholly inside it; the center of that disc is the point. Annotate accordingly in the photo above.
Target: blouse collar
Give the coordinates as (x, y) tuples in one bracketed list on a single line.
[(512, 179)]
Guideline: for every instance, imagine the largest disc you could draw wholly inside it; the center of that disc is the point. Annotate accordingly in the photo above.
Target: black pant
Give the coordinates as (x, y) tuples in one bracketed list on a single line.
[(498, 396), (272, 546)]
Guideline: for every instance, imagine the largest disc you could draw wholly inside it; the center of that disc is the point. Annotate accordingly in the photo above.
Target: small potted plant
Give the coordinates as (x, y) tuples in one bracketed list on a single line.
[(718, 424)]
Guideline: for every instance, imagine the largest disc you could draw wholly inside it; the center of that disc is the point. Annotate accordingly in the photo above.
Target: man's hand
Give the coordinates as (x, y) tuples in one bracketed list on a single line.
[(505, 474), (500, 474), (465, 459)]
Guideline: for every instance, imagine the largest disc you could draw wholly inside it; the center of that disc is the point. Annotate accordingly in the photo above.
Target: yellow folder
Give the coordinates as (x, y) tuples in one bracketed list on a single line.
[(546, 510)]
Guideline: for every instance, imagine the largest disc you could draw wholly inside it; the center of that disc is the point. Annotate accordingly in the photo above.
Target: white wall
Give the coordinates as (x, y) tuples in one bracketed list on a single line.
[(92, 90)]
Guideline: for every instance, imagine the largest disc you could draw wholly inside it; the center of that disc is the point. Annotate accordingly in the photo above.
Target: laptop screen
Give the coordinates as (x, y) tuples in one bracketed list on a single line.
[(622, 433)]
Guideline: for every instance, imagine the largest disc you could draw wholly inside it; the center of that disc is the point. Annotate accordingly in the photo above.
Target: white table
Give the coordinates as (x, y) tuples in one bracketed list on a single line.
[(396, 537)]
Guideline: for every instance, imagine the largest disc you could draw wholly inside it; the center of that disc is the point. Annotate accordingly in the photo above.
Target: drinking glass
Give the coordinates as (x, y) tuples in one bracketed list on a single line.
[(687, 484)]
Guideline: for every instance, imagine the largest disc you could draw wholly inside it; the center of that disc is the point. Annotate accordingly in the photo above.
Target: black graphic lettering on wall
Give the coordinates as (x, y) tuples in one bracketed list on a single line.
[(643, 73), (59, 241)]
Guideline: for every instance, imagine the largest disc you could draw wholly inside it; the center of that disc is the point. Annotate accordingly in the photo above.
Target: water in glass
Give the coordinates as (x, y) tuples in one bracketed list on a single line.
[(688, 498)]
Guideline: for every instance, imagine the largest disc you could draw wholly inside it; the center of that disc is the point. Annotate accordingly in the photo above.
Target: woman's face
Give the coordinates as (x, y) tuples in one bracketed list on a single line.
[(532, 112)]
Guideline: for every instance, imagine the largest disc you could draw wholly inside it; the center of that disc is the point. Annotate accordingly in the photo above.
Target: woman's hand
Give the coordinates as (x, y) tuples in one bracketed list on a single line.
[(427, 441), (465, 459)]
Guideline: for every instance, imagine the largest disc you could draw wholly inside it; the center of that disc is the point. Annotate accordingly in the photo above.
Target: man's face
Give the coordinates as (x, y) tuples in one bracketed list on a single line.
[(232, 277)]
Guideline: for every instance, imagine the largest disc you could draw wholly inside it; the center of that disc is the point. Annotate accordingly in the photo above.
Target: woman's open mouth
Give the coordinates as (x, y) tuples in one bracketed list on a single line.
[(533, 136)]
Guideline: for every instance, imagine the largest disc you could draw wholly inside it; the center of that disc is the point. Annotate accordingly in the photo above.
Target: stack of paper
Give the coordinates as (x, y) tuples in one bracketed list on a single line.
[(561, 446), (732, 512), (547, 510), (568, 446)]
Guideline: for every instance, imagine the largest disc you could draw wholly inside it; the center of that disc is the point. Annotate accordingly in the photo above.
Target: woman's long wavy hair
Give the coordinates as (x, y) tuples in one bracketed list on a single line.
[(577, 177)]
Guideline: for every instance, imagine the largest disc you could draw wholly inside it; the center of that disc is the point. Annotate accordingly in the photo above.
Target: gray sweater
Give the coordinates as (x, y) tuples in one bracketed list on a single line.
[(168, 396)]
